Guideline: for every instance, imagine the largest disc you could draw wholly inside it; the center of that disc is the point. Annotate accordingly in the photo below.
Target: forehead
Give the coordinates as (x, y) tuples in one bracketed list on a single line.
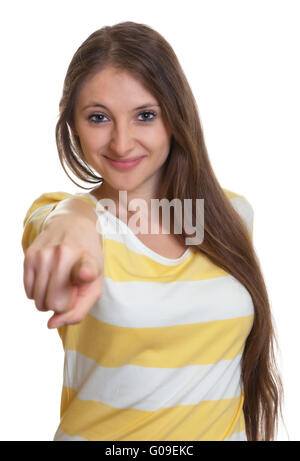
[(114, 84)]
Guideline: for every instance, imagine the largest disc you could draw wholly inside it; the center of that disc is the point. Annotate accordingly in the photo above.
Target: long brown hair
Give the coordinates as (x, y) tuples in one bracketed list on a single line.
[(188, 174)]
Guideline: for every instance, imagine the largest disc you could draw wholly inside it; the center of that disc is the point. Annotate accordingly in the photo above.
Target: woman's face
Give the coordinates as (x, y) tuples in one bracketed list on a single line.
[(121, 131)]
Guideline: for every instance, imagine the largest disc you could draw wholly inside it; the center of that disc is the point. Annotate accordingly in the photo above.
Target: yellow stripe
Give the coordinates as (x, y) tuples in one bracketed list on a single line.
[(231, 194), (165, 347), (124, 265), (95, 421), (45, 199), (31, 231), (67, 395), (238, 422)]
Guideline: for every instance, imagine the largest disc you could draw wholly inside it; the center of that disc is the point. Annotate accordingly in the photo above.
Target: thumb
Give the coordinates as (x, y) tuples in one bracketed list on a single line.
[(84, 270)]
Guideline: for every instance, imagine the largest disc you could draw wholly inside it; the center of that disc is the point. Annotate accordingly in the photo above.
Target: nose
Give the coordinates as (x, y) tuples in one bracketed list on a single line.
[(122, 141)]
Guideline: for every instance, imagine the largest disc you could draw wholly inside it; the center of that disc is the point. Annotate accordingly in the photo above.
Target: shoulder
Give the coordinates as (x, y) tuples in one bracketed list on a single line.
[(50, 199), (44, 202), (37, 213), (242, 205)]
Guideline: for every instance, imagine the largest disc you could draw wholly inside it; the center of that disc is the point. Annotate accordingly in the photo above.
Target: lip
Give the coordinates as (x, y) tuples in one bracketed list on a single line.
[(125, 164)]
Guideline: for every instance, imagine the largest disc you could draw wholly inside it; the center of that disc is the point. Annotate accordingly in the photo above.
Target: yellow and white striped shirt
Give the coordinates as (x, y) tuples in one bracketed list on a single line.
[(158, 357)]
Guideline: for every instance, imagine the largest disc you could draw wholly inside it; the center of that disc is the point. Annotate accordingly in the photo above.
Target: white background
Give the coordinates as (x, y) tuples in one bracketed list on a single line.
[(241, 59)]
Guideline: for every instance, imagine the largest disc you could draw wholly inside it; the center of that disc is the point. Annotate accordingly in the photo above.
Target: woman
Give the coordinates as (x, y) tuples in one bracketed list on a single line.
[(163, 340)]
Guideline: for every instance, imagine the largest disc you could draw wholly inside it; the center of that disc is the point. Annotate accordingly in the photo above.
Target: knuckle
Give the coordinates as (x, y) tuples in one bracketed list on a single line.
[(39, 306), (43, 254), (55, 304), (62, 250), (29, 258), (57, 307), (29, 253)]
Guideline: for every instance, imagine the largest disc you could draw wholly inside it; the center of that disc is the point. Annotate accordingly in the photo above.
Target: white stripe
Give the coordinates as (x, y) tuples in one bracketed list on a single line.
[(39, 210), (237, 437), (149, 304), (46, 207), (241, 205), (115, 229), (60, 436), (245, 210), (126, 236), (150, 389), (132, 242)]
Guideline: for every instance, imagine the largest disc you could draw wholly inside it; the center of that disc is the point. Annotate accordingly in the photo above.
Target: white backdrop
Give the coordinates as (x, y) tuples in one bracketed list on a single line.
[(241, 59)]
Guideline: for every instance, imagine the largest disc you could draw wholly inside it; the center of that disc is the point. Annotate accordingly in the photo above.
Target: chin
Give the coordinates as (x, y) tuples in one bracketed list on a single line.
[(124, 184), (129, 187)]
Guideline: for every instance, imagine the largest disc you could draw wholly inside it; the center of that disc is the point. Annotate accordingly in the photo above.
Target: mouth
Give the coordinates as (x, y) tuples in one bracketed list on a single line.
[(125, 164)]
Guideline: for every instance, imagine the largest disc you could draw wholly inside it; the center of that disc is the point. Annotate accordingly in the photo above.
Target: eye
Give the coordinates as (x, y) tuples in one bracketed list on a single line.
[(148, 112), (90, 118)]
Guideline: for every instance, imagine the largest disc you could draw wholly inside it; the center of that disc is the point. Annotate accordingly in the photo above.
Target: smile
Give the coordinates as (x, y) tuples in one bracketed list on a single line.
[(124, 165)]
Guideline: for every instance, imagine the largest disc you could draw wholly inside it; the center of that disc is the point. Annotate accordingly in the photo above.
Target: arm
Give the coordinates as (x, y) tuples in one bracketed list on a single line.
[(63, 264), (53, 204), (72, 208)]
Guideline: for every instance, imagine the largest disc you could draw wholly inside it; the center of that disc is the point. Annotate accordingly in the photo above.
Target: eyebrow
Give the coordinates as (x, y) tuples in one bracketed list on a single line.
[(98, 104)]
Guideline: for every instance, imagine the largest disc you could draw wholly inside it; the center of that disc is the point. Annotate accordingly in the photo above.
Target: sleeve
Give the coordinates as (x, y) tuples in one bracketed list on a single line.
[(245, 210), (37, 213), (243, 207), (40, 209)]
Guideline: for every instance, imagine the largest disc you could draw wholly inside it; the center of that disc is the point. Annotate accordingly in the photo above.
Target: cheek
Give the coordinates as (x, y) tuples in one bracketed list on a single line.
[(90, 143), (158, 140), (164, 147)]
